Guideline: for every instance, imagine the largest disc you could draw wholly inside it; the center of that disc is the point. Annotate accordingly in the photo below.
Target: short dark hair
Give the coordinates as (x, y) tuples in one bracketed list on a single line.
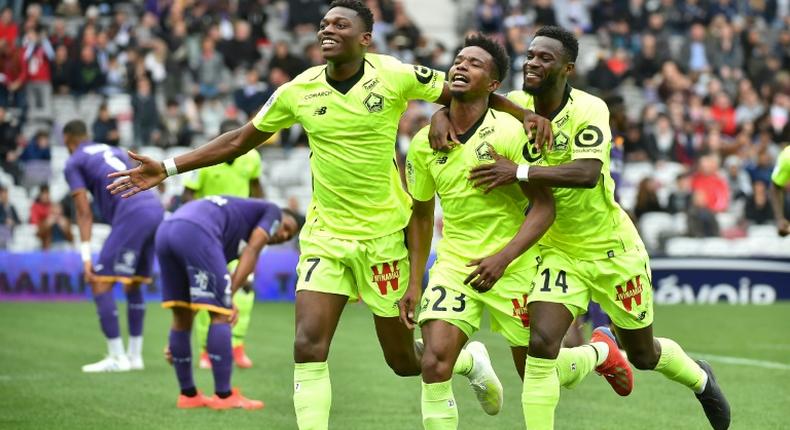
[(75, 128), (300, 219), (360, 8), (569, 42), (495, 49)]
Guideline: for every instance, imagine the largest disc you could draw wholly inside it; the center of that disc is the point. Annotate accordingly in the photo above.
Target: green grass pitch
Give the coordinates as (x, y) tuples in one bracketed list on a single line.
[(43, 346)]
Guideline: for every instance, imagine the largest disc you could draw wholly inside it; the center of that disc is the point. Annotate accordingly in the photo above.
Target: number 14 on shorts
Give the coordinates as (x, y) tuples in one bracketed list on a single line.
[(559, 282)]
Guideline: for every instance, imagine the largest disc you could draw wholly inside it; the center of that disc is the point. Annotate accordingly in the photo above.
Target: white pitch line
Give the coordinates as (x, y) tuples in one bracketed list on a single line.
[(740, 361)]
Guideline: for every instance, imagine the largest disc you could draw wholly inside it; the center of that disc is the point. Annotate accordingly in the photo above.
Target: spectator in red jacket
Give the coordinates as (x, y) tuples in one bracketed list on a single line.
[(723, 113), (39, 210), (712, 183), (12, 76), (38, 55), (8, 28)]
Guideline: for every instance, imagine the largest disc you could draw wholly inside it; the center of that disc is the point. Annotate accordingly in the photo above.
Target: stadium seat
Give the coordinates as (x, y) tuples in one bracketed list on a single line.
[(762, 231), (653, 226), (683, 247), (154, 152), (36, 173)]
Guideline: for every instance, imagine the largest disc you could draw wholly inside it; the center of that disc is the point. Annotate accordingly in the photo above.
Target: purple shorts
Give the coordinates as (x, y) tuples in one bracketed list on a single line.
[(128, 253), (193, 267)]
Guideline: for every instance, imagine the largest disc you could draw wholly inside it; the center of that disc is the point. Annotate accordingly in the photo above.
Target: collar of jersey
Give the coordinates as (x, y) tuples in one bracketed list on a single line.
[(566, 96), (463, 138), (343, 87)]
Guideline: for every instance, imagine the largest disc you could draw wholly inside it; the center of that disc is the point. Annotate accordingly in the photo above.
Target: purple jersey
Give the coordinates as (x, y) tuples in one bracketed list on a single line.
[(88, 167), (230, 219)]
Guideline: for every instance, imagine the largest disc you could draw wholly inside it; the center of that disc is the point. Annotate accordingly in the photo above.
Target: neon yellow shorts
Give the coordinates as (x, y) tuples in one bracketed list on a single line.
[(447, 298), (374, 270), (621, 285)]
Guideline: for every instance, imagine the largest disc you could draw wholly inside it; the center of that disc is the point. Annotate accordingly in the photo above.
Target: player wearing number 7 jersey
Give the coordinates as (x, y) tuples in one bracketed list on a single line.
[(128, 253)]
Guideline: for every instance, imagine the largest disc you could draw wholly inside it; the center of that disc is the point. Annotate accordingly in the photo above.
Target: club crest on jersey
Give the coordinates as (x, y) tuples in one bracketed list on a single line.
[(388, 274), (482, 152), (374, 103), (560, 142)]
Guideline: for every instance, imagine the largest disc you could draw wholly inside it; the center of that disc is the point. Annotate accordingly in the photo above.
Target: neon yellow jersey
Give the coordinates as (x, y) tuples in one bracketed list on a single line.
[(357, 192), (781, 174), (589, 224), (230, 179), (476, 225)]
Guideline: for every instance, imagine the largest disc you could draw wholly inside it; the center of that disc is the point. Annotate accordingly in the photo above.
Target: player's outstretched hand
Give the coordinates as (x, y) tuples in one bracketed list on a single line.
[(491, 175), (87, 269), (441, 127), (487, 272), (407, 304), (538, 128), (149, 173)]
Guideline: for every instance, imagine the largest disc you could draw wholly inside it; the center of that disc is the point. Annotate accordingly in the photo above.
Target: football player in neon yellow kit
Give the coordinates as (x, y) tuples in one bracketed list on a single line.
[(592, 251), (238, 177), (353, 241), (780, 177), (475, 225)]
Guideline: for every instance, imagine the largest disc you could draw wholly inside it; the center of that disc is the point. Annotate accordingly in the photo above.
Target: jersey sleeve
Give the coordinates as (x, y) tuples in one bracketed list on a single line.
[(278, 112), (418, 178), (414, 82), (515, 145), (195, 181), (74, 176), (593, 135), (270, 221), (781, 173)]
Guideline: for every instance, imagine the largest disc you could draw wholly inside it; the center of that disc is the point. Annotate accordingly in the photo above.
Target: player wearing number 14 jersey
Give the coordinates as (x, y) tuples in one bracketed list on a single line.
[(477, 225), (128, 253), (592, 251)]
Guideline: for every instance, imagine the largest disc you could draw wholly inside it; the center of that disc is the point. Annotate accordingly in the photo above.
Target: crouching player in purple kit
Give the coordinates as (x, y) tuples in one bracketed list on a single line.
[(194, 246), (128, 253)]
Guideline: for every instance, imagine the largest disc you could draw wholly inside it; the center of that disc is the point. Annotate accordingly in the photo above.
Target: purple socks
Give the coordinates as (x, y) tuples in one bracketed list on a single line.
[(108, 315), (135, 311), (181, 349), (221, 354)]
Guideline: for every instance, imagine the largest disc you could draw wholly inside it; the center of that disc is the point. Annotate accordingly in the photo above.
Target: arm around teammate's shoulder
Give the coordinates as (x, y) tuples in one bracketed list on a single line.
[(581, 173)]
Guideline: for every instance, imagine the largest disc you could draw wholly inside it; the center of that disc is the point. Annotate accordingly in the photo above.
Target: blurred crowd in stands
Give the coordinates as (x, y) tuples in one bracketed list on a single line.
[(698, 90)]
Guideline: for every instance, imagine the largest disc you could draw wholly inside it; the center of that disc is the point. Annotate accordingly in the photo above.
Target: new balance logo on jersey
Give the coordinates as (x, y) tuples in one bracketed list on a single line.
[(441, 160), (631, 293), (520, 310), (320, 111), (389, 274)]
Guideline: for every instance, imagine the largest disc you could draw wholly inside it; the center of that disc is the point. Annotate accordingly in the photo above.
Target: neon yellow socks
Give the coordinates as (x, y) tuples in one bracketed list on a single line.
[(676, 365), (439, 411), (541, 393), (244, 302), (312, 395), (574, 364)]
